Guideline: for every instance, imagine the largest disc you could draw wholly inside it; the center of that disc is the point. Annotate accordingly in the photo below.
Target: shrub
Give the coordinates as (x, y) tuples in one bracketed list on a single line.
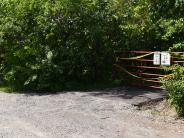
[(49, 43), (175, 85)]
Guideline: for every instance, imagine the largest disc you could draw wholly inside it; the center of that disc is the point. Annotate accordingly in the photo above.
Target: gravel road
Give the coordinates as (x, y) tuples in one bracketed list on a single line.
[(76, 115)]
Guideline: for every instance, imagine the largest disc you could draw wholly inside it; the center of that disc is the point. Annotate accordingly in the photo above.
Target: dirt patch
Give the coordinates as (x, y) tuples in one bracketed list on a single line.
[(160, 108)]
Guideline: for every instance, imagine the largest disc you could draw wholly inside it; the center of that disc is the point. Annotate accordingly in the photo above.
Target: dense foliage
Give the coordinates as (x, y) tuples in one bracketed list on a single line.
[(171, 13), (51, 43), (175, 85), (48, 43)]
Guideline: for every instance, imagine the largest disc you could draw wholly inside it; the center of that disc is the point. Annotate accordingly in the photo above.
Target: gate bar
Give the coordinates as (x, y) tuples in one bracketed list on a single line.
[(141, 67), (142, 80), (146, 52), (146, 85), (178, 61), (148, 74), (137, 59)]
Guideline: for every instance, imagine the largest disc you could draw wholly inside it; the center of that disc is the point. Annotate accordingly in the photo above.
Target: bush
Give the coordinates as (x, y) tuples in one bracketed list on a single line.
[(175, 85), (49, 43)]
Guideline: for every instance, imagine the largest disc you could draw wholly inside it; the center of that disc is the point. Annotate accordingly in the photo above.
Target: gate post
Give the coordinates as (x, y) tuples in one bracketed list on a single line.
[(115, 67), (141, 70)]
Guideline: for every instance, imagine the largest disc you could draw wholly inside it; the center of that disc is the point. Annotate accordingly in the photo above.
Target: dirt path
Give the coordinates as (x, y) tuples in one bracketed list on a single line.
[(76, 115)]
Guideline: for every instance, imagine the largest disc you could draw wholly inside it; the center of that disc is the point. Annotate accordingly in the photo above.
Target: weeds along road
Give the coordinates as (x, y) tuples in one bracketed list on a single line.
[(76, 115)]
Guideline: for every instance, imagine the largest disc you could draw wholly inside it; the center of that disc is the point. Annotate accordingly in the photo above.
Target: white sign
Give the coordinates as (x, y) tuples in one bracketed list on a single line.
[(165, 59), (156, 58)]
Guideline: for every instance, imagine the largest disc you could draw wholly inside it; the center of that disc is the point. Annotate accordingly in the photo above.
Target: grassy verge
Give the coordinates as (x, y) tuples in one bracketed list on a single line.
[(6, 89)]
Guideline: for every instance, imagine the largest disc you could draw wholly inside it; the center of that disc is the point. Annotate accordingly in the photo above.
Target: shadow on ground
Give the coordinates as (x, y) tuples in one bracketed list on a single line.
[(132, 95)]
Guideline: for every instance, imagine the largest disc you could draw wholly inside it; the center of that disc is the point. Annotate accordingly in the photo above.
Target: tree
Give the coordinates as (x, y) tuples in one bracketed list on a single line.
[(169, 9), (48, 43)]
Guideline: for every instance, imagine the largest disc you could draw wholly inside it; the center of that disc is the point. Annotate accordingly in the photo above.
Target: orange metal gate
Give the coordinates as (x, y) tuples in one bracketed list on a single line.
[(142, 76)]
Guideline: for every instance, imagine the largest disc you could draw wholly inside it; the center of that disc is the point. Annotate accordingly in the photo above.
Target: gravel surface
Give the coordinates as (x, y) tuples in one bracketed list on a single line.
[(77, 115)]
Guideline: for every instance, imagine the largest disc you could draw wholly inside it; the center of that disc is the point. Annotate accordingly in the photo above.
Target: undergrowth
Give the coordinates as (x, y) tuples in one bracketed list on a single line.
[(71, 86)]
